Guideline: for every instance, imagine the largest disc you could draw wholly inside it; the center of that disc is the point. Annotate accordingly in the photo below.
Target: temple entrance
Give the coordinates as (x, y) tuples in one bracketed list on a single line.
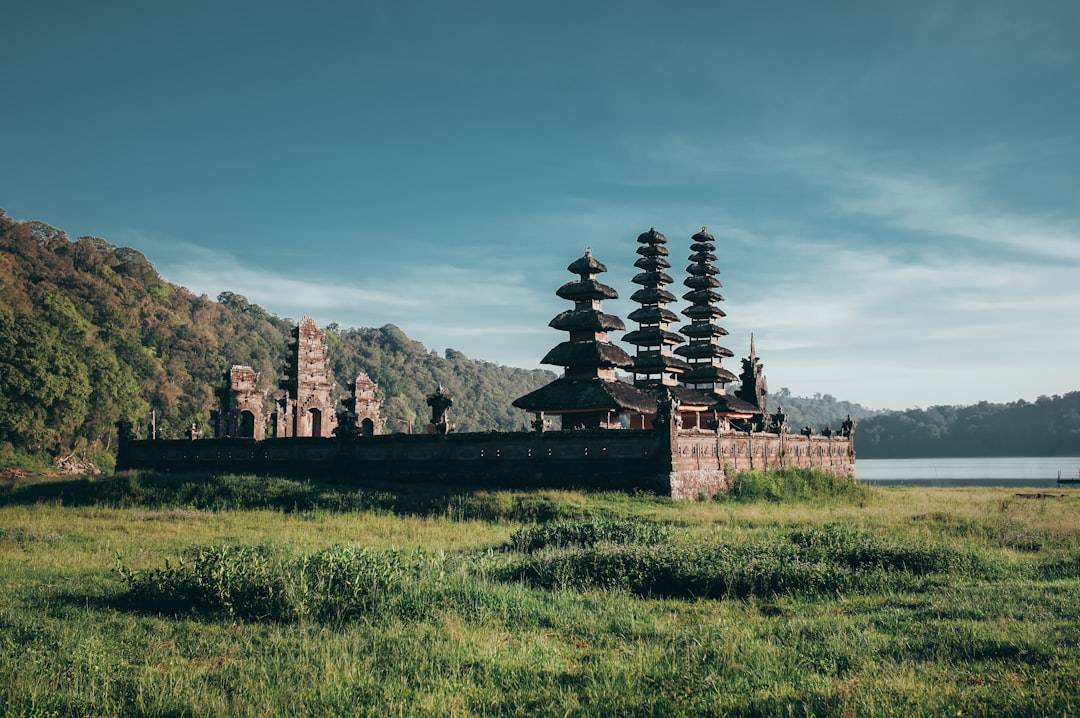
[(247, 425), (367, 427), (316, 423)]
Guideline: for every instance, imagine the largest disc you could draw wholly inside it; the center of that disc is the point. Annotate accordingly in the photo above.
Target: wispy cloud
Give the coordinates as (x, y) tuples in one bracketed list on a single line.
[(925, 204)]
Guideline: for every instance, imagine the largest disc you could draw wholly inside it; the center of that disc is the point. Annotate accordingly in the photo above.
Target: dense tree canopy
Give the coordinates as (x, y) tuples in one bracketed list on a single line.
[(1049, 426), (819, 412)]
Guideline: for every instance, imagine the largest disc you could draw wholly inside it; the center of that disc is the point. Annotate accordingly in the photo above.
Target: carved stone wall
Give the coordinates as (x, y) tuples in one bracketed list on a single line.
[(703, 462)]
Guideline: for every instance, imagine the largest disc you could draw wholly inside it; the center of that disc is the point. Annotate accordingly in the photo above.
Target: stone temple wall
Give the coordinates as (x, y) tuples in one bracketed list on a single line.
[(684, 464)]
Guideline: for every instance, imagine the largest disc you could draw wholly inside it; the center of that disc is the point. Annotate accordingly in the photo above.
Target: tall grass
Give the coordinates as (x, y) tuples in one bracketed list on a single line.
[(921, 602)]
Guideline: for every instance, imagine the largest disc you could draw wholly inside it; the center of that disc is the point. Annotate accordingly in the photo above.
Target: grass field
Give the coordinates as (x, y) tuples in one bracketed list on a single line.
[(238, 595)]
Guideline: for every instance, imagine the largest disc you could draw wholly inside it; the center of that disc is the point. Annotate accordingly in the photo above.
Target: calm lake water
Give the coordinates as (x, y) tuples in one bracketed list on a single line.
[(1023, 471)]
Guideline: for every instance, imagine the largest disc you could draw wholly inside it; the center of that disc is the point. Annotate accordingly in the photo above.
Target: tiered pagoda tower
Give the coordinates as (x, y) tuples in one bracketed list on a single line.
[(654, 364), (587, 395), (703, 352)]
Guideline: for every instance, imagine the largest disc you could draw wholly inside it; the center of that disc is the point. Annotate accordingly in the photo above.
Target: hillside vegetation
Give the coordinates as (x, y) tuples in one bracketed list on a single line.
[(90, 333)]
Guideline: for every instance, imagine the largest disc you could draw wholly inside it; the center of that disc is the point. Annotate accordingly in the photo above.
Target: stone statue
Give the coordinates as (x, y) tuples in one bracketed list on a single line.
[(440, 403)]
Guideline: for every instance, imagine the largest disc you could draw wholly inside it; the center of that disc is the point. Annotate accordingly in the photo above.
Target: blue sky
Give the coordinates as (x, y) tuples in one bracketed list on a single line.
[(894, 187)]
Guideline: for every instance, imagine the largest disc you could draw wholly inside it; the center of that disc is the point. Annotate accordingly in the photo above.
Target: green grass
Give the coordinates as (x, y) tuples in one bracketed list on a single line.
[(173, 596)]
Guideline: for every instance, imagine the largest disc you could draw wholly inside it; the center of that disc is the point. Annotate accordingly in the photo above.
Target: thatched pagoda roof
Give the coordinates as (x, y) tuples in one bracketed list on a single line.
[(652, 295), (693, 398), (657, 363), (708, 374), (651, 237), (586, 265), (652, 315), (702, 330), (564, 396), (586, 320), (586, 290), (702, 282), (703, 311), (702, 296), (588, 354), (652, 337), (650, 279), (730, 404), (652, 263)]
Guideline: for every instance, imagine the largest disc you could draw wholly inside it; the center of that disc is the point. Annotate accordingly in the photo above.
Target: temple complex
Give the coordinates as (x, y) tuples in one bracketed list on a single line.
[(674, 430)]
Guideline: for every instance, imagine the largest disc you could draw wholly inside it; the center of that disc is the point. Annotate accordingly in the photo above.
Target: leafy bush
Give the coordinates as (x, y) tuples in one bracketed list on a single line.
[(828, 560), (688, 572), (23, 459), (853, 548), (216, 492), (792, 485), (255, 583), (344, 582), (240, 581), (587, 533), (524, 507)]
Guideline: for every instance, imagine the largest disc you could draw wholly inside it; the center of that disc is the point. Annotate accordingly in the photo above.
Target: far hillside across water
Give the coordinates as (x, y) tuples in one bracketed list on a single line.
[(1049, 426)]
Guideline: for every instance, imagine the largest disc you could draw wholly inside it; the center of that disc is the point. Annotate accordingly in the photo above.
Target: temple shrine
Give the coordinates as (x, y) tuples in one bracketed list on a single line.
[(671, 428)]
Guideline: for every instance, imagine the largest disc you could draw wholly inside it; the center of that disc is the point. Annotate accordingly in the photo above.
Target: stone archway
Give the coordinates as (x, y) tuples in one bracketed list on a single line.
[(367, 427), (247, 425), (316, 422)]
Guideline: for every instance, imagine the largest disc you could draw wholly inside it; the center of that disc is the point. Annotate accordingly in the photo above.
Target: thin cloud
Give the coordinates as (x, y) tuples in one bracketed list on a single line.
[(924, 204)]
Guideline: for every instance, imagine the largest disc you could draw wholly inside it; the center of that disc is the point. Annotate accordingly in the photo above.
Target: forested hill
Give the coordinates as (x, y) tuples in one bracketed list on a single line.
[(90, 332), (1049, 426)]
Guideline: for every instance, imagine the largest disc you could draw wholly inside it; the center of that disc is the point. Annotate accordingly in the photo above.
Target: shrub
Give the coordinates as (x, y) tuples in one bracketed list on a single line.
[(792, 485), (687, 572), (254, 583), (240, 581), (587, 533), (828, 560)]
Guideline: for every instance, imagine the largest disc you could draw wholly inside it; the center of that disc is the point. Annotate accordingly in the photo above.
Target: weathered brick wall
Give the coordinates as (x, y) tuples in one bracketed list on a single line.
[(701, 461)]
